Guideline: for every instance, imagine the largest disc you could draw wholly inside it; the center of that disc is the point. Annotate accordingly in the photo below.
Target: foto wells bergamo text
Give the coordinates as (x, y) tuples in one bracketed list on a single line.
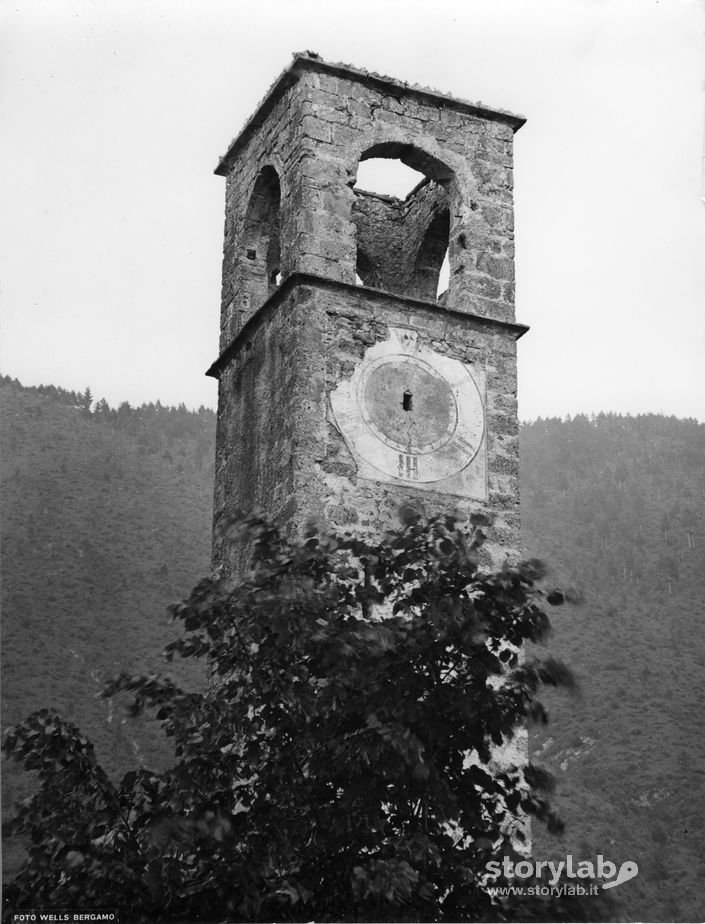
[(64, 916)]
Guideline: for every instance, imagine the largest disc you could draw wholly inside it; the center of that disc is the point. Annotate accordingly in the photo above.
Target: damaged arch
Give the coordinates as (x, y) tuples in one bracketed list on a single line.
[(413, 157), (401, 243)]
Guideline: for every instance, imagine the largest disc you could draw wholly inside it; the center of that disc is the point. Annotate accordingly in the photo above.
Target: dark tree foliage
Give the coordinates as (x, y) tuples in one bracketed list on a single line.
[(342, 763)]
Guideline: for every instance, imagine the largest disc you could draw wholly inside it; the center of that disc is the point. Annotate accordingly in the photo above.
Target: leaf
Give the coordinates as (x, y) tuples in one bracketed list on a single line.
[(480, 519), (73, 859)]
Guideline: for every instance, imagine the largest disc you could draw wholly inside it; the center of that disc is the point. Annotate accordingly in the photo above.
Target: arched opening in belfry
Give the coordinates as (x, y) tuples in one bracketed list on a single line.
[(260, 261), (387, 177), (402, 219)]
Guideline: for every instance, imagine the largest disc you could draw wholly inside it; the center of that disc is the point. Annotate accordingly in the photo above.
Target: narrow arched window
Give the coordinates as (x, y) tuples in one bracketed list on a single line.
[(259, 264)]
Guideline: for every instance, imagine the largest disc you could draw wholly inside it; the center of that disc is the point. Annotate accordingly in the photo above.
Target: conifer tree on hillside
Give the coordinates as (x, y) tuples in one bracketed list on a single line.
[(87, 400)]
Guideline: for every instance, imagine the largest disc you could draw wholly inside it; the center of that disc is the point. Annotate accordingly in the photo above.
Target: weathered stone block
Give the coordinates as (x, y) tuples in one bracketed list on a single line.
[(312, 127), (497, 267)]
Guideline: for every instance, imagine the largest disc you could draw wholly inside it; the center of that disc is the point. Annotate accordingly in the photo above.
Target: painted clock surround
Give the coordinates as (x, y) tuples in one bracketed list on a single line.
[(411, 415)]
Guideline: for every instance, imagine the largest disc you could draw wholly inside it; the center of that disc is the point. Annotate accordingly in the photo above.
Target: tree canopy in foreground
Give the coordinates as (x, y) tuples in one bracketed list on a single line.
[(341, 764)]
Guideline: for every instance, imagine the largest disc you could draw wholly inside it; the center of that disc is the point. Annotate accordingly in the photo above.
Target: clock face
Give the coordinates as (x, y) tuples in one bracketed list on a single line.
[(408, 404), (413, 415)]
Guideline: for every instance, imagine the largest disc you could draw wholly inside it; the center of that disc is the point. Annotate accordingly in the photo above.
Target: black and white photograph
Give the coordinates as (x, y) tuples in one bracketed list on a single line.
[(352, 418)]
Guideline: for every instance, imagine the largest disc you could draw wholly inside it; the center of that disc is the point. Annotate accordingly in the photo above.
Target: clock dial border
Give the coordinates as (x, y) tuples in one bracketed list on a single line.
[(458, 466)]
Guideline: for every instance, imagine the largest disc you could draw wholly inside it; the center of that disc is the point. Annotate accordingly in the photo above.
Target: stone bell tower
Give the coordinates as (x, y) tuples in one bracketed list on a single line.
[(347, 388)]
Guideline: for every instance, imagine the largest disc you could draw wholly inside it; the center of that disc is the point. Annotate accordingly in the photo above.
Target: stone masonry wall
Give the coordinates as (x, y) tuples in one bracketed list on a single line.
[(318, 125), (292, 460)]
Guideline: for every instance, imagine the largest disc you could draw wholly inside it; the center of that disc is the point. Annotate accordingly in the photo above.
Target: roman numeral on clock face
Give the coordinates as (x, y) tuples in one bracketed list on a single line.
[(463, 444), (408, 467)]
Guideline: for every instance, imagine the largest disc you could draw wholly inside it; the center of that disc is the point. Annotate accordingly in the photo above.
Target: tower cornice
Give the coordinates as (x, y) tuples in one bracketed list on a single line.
[(308, 61), (379, 296)]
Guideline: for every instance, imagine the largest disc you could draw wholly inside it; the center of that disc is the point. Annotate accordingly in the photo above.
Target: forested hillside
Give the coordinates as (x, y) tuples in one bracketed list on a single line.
[(106, 517), (615, 504)]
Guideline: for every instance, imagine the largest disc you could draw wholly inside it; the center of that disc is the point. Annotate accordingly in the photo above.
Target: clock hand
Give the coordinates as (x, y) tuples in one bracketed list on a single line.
[(412, 425)]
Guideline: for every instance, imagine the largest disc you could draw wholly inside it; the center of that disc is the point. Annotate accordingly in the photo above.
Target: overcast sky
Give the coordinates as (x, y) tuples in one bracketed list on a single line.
[(113, 115)]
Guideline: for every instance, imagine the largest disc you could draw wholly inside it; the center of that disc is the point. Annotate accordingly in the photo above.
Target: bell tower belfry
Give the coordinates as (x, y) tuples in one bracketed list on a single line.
[(347, 387)]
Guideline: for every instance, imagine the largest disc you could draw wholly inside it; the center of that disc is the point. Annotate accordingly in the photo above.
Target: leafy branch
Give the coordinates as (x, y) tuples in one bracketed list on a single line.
[(343, 762)]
